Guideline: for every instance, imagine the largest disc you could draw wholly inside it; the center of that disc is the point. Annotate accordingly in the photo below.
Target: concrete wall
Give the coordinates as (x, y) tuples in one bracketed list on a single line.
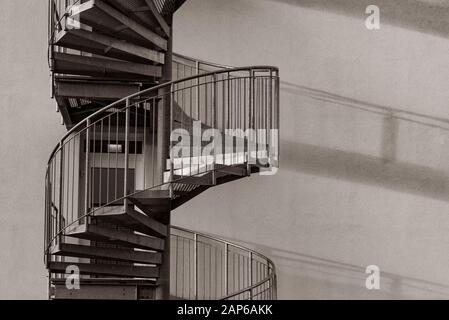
[(29, 130), (346, 196), (360, 183)]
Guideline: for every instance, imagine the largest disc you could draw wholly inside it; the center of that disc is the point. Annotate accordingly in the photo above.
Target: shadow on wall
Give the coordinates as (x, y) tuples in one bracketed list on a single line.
[(305, 275), (383, 171), (420, 15)]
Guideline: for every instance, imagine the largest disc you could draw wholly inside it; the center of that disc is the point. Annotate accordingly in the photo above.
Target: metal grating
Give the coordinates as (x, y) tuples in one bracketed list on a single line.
[(168, 6)]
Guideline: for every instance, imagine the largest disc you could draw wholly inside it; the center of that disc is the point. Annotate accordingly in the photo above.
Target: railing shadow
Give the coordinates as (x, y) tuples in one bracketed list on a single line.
[(384, 170), (312, 268)]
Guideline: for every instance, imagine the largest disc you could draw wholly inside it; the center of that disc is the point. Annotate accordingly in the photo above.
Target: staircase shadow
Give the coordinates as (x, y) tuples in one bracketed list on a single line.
[(305, 265), (384, 170), (368, 170)]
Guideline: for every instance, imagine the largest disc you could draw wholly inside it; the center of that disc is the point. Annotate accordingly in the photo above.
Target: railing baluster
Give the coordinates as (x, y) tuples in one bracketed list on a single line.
[(126, 173), (214, 126), (172, 158), (109, 159), (226, 269), (73, 178), (251, 102), (100, 182), (195, 267), (144, 149), (61, 188), (86, 182)]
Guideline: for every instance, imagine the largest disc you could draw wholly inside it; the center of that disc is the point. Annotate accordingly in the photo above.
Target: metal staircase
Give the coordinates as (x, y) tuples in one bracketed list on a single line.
[(149, 130)]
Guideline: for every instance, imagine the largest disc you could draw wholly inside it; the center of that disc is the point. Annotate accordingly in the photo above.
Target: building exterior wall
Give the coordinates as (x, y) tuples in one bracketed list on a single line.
[(358, 184), (29, 131)]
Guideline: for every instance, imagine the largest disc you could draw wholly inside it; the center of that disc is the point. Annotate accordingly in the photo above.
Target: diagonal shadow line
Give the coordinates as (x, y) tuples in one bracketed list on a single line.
[(365, 169), (381, 171), (325, 96), (313, 261), (415, 15)]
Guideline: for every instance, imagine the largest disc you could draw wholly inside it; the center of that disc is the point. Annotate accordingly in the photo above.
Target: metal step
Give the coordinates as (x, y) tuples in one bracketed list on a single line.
[(169, 6), (159, 199), (105, 289), (103, 17), (199, 180), (102, 234), (103, 67), (96, 90), (96, 43), (145, 12), (107, 270), (237, 170), (126, 255), (133, 220)]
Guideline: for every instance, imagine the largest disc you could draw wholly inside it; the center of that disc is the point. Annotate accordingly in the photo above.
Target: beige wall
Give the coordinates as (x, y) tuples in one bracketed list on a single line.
[(345, 198), (355, 188), (29, 129)]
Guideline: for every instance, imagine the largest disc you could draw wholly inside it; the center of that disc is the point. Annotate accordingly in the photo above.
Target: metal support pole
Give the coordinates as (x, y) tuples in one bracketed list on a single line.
[(163, 288), (164, 116)]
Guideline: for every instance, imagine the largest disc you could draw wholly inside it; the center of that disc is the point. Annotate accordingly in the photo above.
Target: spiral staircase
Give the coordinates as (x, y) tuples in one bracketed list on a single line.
[(148, 130)]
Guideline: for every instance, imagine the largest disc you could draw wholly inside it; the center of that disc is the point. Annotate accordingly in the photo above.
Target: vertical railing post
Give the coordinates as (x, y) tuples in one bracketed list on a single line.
[(251, 275), (198, 91), (46, 218), (226, 270), (255, 114), (250, 123), (278, 146), (61, 191), (126, 173), (87, 172), (270, 112), (195, 265), (215, 107)]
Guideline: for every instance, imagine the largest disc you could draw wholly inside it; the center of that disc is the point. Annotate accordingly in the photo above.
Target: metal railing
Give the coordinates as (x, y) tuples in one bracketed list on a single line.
[(118, 145), (204, 267)]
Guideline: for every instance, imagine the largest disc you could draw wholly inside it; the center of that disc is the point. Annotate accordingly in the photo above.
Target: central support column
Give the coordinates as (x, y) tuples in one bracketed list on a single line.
[(163, 154)]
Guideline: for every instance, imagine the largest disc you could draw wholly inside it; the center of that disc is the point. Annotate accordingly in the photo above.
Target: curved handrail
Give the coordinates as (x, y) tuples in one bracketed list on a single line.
[(88, 126)]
